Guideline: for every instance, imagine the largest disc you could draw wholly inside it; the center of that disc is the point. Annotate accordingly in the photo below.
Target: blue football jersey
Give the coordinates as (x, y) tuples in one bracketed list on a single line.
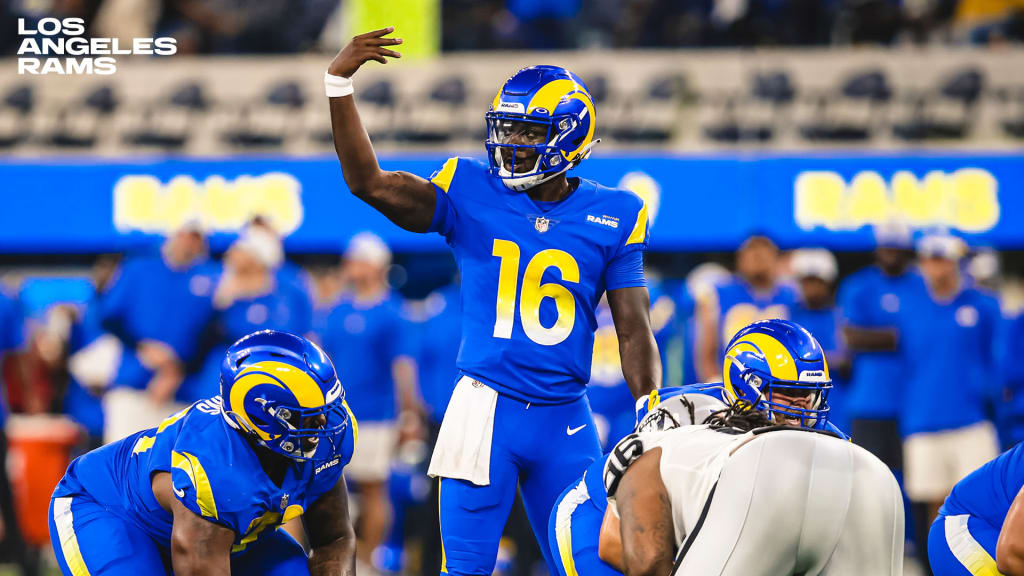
[(740, 305), (988, 492), (951, 360), (215, 474), (532, 275), (869, 298)]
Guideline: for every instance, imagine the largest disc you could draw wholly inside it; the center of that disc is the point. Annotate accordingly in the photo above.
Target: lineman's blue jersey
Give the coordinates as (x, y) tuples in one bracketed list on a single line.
[(532, 275), (215, 474), (988, 492)]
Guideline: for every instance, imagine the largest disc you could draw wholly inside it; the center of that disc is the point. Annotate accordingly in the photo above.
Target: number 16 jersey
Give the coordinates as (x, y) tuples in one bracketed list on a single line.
[(533, 274)]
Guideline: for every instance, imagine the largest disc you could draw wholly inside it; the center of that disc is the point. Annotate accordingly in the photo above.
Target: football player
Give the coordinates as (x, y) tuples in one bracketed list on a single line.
[(748, 493), (581, 513), (536, 250), (205, 492), (980, 527)]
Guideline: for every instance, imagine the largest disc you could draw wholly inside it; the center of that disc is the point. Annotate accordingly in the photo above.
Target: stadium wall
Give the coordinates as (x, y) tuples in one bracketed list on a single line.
[(697, 203)]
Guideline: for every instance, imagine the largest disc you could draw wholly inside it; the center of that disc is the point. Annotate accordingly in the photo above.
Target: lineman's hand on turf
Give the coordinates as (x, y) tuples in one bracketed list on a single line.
[(362, 48)]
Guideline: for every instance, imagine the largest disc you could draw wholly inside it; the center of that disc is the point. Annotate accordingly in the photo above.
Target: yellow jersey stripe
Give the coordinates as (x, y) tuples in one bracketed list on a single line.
[(443, 179), (639, 232), (170, 420), (143, 444), (355, 424), (64, 522), (197, 475)]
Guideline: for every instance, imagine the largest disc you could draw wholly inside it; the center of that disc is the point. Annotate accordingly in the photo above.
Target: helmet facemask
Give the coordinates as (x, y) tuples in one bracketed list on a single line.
[(547, 160), (805, 402), (293, 431)]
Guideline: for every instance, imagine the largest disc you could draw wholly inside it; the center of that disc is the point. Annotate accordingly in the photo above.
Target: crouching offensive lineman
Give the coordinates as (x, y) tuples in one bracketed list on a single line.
[(204, 492), (737, 498)]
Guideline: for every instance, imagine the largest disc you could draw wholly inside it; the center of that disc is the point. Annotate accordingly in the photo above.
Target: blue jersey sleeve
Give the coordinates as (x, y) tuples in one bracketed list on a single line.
[(626, 270), (853, 303), (210, 477), (445, 214), (636, 233)]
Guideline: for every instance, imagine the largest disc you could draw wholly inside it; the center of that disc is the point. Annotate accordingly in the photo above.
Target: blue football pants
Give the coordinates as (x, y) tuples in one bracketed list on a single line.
[(91, 539), (573, 534), (962, 545), (540, 448)]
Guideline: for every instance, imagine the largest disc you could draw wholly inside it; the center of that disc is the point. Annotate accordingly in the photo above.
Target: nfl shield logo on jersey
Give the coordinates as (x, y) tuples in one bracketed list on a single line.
[(541, 224)]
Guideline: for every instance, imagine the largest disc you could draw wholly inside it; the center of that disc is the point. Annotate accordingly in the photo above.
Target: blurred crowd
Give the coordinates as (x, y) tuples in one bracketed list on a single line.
[(289, 26), (920, 353)]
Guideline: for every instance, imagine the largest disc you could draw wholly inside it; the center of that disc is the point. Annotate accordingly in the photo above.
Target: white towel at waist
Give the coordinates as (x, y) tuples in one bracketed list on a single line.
[(463, 448)]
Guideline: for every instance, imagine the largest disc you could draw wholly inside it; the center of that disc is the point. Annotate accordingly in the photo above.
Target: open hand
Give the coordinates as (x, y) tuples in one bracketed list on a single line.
[(364, 47)]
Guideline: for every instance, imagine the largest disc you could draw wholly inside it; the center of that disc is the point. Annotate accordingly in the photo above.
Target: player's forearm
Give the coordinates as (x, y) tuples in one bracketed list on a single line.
[(335, 558), (352, 144), (641, 363)]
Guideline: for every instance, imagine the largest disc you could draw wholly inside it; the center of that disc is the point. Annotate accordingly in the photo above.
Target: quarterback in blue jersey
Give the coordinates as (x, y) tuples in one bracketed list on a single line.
[(205, 492), (536, 251), (980, 527)]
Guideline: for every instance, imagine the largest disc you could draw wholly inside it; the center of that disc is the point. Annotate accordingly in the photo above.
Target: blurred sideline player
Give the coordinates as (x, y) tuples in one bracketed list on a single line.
[(581, 514), (980, 528), (248, 298), (738, 496), (948, 334), (536, 250), (364, 332), (872, 299), (158, 307), (815, 271), (204, 492), (754, 293)]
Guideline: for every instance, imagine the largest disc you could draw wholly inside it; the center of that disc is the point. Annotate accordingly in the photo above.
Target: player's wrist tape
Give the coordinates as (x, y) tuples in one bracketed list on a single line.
[(337, 86)]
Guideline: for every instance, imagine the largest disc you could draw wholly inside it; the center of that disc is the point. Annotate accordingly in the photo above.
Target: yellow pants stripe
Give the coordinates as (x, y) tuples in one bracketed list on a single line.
[(563, 525), (966, 549), (444, 560), (66, 534)]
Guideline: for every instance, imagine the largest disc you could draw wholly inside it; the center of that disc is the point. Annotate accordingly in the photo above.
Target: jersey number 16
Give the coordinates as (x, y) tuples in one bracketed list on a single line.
[(534, 292)]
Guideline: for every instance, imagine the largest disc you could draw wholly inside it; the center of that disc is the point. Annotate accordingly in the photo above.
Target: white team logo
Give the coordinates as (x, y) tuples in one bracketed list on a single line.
[(178, 491), (541, 224), (571, 431)]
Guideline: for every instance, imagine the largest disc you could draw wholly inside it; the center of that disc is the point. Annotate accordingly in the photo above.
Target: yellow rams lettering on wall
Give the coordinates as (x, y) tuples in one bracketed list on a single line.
[(144, 203), (966, 199)]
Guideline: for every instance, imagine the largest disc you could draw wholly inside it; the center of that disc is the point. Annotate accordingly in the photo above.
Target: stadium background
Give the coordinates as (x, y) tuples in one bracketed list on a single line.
[(807, 121)]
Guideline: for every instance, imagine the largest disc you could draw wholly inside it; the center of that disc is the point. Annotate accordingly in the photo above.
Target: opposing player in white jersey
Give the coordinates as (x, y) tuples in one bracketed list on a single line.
[(744, 495)]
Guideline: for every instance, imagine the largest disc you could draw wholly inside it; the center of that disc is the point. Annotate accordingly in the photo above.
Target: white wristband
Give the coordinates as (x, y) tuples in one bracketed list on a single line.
[(337, 86)]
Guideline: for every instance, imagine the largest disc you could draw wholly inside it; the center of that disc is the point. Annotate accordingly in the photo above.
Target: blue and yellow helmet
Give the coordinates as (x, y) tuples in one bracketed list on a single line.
[(555, 103), (282, 390), (778, 366)]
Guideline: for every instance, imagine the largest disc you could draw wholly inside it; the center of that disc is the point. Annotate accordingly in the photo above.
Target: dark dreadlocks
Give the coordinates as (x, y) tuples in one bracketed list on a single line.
[(739, 417)]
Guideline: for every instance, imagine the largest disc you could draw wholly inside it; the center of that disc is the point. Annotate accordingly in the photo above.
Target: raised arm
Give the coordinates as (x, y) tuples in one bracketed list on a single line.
[(641, 364), (330, 534), (406, 199)]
